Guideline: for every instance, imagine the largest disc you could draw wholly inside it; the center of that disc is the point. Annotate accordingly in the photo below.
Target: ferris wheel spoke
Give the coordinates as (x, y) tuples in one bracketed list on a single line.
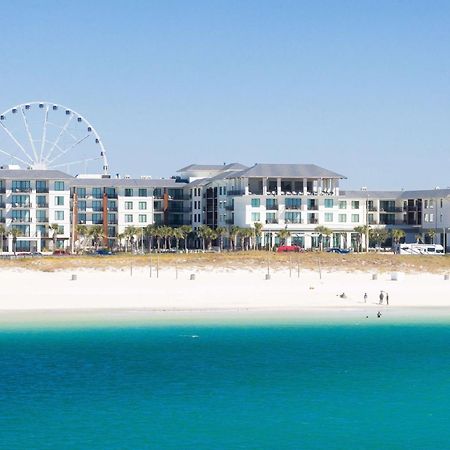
[(44, 133), (15, 157), (11, 135), (61, 133), (30, 137), (67, 149)]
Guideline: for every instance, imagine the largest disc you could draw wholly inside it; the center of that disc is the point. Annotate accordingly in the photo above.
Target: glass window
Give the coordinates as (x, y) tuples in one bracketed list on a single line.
[(41, 201), (328, 203), (271, 203), (256, 202), (21, 186), (355, 217), (142, 205), (82, 205), (97, 192), (328, 217), (81, 192), (128, 205), (342, 218), (59, 215), (41, 186), (97, 205), (292, 217), (59, 200), (110, 192), (41, 215), (60, 229), (342, 204), (59, 185), (82, 218), (355, 204), (293, 203), (128, 218), (97, 219), (142, 218), (142, 192), (256, 217), (271, 218), (128, 192), (111, 218)]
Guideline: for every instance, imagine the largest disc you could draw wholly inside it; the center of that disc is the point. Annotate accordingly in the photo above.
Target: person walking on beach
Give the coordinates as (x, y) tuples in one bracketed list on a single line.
[(365, 297), (387, 299), (381, 297)]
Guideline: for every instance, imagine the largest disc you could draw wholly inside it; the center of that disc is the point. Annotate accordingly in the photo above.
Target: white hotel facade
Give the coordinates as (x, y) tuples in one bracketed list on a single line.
[(297, 197)]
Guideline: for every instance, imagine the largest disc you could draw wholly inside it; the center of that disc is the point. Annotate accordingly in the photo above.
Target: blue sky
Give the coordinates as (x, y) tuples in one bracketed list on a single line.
[(358, 87)]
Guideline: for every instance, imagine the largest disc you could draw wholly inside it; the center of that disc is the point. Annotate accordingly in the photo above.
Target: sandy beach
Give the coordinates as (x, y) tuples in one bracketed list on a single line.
[(217, 289)]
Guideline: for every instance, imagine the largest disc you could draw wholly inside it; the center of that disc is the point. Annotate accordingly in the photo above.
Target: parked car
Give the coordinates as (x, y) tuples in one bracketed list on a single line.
[(342, 251), (289, 248)]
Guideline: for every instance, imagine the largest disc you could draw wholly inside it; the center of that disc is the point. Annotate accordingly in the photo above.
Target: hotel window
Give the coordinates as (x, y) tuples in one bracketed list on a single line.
[(82, 205), (21, 186), (355, 218), (256, 217), (342, 204), (41, 186), (59, 200), (293, 203), (110, 192), (224, 190), (59, 185), (355, 204), (256, 202), (431, 204), (41, 201), (41, 215), (60, 229), (128, 205), (270, 218), (292, 217), (111, 231), (128, 218), (129, 192), (111, 218), (342, 218), (328, 203), (81, 192), (441, 202), (271, 203), (142, 205), (431, 217), (81, 218), (142, 192), (328, 217), (97, 192), (142, 218), (425, 217), (97, 219), (59, 215), (220, 190), (97, 205), (112, 206)]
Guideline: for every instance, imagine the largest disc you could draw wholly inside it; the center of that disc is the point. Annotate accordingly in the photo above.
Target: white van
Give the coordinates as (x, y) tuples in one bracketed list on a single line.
[(420, 249)]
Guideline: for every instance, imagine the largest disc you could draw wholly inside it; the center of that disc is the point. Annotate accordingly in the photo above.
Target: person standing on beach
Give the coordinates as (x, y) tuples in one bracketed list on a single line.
[(381, 297), (387, 299), (365, 297)]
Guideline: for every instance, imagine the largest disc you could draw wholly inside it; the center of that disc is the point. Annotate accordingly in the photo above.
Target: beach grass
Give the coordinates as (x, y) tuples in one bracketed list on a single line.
[(250, 260)]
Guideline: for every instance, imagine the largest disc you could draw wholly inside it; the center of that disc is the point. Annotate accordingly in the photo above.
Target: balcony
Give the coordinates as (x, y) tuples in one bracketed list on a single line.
[(271, 221), (21, 220), (24, 189), (235, 192), (290, 207), (42, 190), (21, 205), (179, 210), (2, 205), (313, 207), (372, 208), (97, 209), (42, 219), (272, 207), (313, 221), (392, 209), (42, 205), (112, 208), (2, 219), (2, 190)]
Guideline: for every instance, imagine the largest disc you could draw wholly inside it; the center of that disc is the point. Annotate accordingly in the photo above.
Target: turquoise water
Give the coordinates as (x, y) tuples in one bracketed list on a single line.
[(233, 387)]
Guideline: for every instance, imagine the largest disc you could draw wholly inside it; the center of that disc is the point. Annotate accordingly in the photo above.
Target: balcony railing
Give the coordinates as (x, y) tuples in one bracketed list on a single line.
[(21, 220), (392, 209), (42, 219), (235, 192), (293, 206), (21, 205), (112, 208), (313, 221), (42, 205), (97, 208), (372, 208), (272, 207), (22, 190), (43, 190), (313, 207), (271, 221)]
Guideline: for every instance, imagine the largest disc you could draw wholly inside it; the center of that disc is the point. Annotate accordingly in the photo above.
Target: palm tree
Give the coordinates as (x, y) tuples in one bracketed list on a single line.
[(323, 231), (397, 235), (166, 234), (158, 235), (283, 235), (178, 234), (185, 230), (419, 238), (55, 228), (2, 236), (233, 233), (150, 231), (130, 236), (203, 234), (82, 232), (361, 230), (221, 232), (15, 233), (431, 234), (258, 233), (379, 235), (120, 238), (95, 232)]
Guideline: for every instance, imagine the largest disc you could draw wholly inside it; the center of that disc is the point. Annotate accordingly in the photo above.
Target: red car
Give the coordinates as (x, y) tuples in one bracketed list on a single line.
[(289, 248)]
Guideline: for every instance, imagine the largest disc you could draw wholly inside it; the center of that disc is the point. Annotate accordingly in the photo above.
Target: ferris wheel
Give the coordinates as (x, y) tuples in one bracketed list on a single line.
[(43, 135)]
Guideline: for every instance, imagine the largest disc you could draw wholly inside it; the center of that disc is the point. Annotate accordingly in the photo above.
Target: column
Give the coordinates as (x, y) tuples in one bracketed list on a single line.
[(305, 186), (264, 180), (278, 186)]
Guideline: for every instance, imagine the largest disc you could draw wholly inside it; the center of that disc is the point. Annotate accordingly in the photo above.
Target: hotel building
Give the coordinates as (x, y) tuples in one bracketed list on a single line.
[(296, 197)]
